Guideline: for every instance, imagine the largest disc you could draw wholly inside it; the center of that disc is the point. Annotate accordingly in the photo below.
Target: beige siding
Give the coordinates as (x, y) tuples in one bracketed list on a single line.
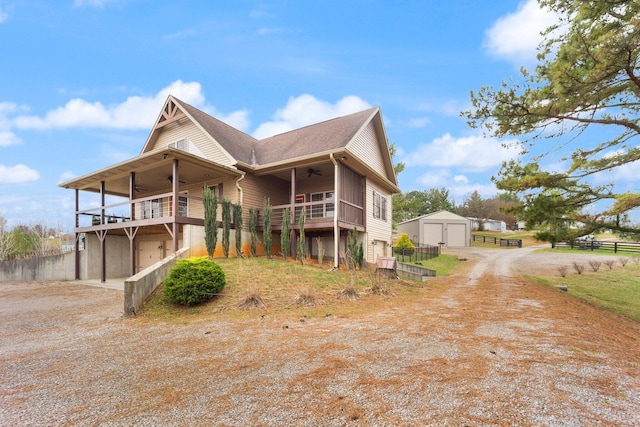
[(378, 229), (412, 228), (190, 131), (314, 184), (367, 148), (256, 188)]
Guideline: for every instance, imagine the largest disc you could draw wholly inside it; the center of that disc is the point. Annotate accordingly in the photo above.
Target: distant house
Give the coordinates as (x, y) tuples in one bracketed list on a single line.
[(339, 171), (439, 228), (488, 224)]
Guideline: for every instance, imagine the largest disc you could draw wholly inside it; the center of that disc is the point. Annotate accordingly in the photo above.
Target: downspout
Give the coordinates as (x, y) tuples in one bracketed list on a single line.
[(336, 229), (240, 194)]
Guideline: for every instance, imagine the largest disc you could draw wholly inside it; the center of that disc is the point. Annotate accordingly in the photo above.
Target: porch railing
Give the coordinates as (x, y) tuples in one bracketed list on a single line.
[(320, 211)]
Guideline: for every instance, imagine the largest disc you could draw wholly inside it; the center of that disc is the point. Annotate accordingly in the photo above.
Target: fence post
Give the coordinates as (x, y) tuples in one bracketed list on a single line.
[(615, 247)]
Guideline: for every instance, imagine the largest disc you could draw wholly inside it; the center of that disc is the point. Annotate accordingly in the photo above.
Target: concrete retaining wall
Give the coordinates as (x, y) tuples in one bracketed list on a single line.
[(54, 267), (138, 288)]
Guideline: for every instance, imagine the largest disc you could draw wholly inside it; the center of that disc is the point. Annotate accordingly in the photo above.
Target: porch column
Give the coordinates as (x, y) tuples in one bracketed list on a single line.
[(292, 241), (176, 181), (132, 210), (103, 247), (336, 213), (77, 254)]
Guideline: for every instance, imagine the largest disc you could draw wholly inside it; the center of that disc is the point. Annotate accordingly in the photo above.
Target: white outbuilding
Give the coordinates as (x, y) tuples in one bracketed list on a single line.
[(442, 228)]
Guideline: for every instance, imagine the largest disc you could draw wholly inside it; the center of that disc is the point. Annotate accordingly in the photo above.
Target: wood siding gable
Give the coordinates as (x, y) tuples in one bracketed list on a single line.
[(175, 123), (370, 145)]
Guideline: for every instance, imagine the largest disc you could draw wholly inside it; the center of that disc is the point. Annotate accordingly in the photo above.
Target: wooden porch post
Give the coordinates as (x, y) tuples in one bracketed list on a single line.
[(176, 181), (292, 240), (336, 213), (132, 241), (103, 253), (77, 254)]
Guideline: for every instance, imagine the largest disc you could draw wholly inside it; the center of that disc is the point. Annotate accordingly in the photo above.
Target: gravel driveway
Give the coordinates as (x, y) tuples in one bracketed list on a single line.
[(483, 347)]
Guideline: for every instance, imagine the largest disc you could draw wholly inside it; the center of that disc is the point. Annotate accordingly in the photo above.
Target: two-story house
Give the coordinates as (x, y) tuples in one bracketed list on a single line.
[(340, 171)]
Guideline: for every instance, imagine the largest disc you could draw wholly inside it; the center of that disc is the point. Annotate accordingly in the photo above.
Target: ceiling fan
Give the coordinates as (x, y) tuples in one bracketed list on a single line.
[(313, 171)]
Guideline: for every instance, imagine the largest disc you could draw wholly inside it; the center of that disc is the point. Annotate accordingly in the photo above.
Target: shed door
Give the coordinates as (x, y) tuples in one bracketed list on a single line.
[(379, 249), (432, 233), (149, 252), (456, 235)]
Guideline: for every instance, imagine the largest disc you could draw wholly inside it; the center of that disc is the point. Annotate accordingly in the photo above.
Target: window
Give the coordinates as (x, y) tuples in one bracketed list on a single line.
[(180, 145), (151, 209), (323, 210), (379, 206), (299, 199), (217, 190), (186, 145)]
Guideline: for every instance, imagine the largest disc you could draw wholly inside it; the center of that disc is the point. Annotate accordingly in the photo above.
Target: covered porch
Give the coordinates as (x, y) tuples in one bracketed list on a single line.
[(149, 194)]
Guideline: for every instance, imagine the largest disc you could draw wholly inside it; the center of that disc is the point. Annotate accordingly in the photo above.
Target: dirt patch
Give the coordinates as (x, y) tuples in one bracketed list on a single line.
[(483, 347)]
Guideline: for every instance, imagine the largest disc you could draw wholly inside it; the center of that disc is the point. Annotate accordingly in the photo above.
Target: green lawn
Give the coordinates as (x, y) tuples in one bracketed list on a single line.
[(617, 290), (442, 264)]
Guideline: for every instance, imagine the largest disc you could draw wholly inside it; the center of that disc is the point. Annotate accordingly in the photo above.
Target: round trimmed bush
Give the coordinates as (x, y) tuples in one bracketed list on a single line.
[(193, 280)]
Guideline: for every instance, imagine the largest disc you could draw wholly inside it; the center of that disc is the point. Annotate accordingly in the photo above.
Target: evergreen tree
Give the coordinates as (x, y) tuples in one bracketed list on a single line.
[(237, 216), (267, 236), (210, 202), (285, 238), (226, 226), (253, 230)]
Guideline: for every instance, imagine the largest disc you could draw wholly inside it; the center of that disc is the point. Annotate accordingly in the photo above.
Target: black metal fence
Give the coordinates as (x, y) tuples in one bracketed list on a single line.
[(600, 245), (514, 243), (419, 253)]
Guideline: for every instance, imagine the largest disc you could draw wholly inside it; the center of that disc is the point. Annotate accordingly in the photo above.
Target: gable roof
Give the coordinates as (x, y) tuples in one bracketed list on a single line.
[(330, 136), (237, 143), (317, 138), (438, 215)]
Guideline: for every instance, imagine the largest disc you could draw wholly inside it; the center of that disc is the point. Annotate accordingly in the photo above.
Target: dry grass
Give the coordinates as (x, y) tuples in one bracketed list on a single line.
[(285, 288), (498, 351), (252, 301), (349, 293)]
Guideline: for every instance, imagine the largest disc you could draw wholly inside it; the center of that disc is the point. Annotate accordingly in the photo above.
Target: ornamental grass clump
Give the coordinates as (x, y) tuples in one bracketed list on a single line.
[(193, 280)]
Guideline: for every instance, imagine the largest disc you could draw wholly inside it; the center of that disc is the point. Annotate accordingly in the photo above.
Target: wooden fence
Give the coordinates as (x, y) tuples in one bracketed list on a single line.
[(601, 246), (512, 243)]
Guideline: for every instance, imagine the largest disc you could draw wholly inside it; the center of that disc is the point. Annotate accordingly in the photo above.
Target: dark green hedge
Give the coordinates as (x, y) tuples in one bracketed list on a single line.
[(193, 280)]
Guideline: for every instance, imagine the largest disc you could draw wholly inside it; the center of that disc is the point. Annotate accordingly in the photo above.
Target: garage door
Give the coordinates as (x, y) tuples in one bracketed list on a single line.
[(456, 235), (432, 234)]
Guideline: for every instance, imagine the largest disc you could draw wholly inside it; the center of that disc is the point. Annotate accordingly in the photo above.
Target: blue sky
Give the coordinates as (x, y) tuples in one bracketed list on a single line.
[(82, 82)]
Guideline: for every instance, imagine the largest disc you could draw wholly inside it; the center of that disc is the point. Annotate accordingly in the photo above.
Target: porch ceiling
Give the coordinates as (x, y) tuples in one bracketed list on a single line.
[(153, 171)]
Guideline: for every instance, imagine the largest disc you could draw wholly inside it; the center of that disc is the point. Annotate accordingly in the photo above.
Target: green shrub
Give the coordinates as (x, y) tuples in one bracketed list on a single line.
[(404, 246), (193, 280)]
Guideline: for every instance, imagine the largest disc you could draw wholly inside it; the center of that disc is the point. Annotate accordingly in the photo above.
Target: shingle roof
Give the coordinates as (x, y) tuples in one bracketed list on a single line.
[(237, 143), (320, 137), (317, 138)]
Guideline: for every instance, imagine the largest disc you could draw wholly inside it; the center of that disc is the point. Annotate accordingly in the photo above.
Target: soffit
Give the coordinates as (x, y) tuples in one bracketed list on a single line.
[(153, 171)]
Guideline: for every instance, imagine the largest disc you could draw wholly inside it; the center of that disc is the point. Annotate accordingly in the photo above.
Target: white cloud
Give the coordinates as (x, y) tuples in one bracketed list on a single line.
[(458, 185), (305, 110), (66, 176), (95, 3), (238, 119), (8, 138), (516, 36), (3, 16), (18, 174), (472, 153), (135, 112), (626, 172)]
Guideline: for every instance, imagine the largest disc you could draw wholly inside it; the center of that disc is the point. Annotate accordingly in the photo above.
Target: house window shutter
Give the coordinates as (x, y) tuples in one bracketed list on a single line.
[(384, 208)]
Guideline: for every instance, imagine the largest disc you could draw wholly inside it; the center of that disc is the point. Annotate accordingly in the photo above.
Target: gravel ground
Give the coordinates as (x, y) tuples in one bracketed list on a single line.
[(483, 347)]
